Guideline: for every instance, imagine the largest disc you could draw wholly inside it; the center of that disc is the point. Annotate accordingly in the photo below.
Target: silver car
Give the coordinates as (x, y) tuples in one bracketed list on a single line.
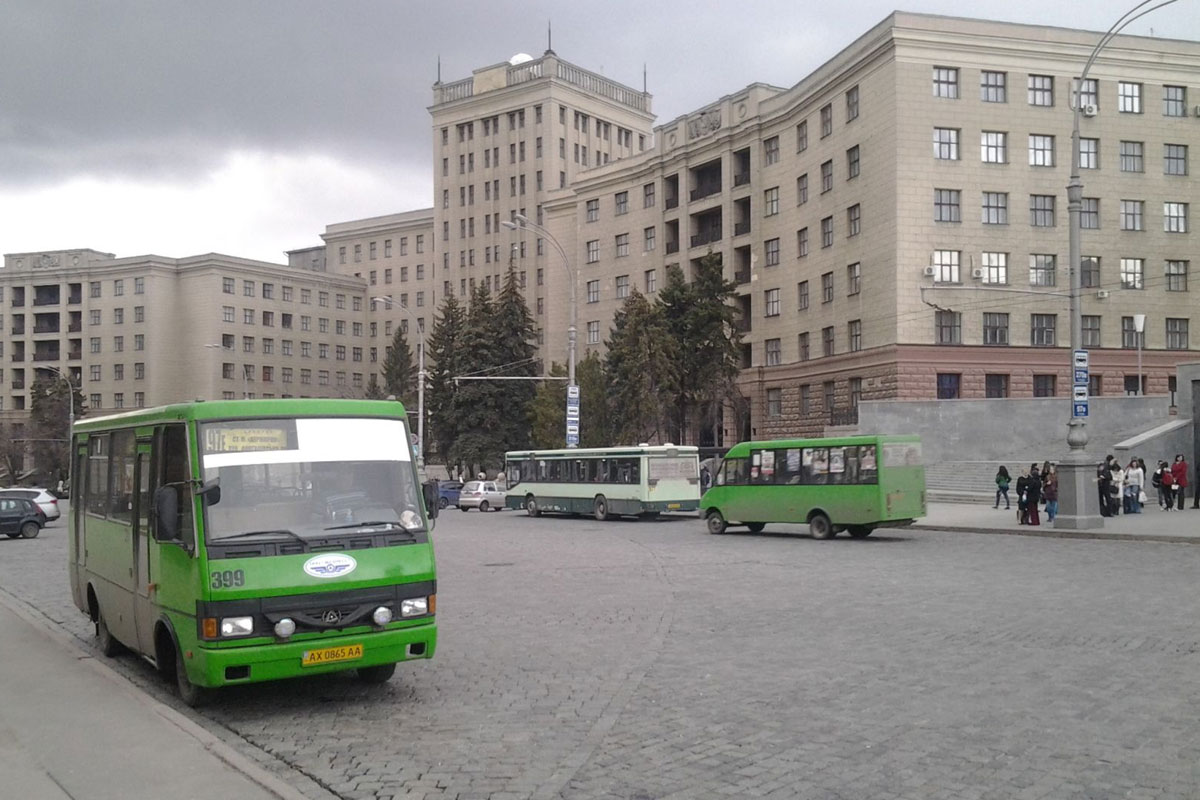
[(47, 502), (484, 495)]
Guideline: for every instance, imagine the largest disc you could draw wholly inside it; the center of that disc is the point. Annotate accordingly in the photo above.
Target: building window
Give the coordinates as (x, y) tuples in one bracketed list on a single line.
[(771, 303), (946, 266), (622, 287), (621, 243), (771, 202), (622, 203), (593, 251), (993, 87), (1175, 159), (802, 243), (945, 144), (995, 268), (802, 189), (1042, 269), (1041, 150), (827, 232), (1042, 328), (1041, 90), (771, 151), (949, 385), (649, 238), (1043, 385), (802, 137), (593, 291), (947, 205), (995, 385), (948, 326), (774, 402), (1174, 101), (826, 120), (1089, 276), (802, 295), (227, 313), (1177, 333), (1177, 275), (1175, 217), (827, 287), (771, 252), (774, 352), (854, 334), (826, 176), (1132, 273), (648, 196), (993, 147), (1041, 210), (1130, 338), (1132, 215), (1089, 213), (593, 210), (851, 103), (651, 277), (1087, 94), (1090, 330), (1089, 154), (1129, 97), (853, 161), (853, 279), (995, 208), (1132, 156), (995, 329), (945, 82), (226, 287), (593, 332), (827, 343), (854, 220), (805, 354), (828, 389)]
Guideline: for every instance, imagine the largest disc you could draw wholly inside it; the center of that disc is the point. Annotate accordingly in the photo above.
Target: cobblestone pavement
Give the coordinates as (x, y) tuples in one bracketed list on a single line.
[(648, 660)]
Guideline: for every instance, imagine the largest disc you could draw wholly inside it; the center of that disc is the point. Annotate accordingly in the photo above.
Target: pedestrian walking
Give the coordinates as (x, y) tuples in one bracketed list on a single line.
[(1002, 482), (1050, 492), (1168, 487), (1023, 497), (1134, 480), (1179, 475), (1033, 493)]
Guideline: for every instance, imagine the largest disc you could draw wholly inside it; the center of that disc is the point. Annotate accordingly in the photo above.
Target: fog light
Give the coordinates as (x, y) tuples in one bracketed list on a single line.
[(237, 626), (382, 616), (415, 607), (285, 628)]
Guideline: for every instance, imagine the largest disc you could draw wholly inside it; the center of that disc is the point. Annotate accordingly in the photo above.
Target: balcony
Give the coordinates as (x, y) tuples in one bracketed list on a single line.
[(18, 330), (741, 228), (672, 202), (741, 179), (54, 328), (52, 356), (18, 358), (18, 384), (704, 237), (75, 299), (74, 355), (742, 325), (75, 327), (742, 277), (706, 189), (843, 416), (672, 247)]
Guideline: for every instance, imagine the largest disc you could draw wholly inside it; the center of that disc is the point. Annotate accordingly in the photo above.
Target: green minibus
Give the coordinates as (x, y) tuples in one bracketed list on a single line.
[(240, 541), (852, 483)]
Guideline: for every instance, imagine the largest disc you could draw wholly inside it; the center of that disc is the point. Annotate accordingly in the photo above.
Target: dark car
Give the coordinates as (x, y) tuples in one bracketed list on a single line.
[(20, 517), (448, 492)]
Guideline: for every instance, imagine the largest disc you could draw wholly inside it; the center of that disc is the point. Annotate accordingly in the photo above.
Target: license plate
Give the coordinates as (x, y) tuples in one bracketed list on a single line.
[(674, 505), (330, 655)]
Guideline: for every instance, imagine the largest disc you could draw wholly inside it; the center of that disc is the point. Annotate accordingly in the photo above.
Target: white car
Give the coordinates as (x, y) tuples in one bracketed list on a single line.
[(47, 502), (484, 495)]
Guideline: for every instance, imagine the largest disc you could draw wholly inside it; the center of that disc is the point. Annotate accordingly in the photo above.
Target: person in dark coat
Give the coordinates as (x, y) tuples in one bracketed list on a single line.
[(1022, 498), (1179, 472), (1104, 485), (1002, 481), (1033, 494)]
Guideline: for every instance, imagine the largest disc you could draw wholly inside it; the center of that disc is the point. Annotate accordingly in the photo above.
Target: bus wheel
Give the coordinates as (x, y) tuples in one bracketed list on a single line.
[(715, 522), (380, 673), (193, 696), (600, 508), (756, 527), (820, 527), (30, 530), (109, 646), (531, 506), (859, 531)]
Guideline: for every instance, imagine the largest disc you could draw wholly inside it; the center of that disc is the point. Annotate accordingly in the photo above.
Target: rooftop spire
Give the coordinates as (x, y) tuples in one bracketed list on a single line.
[(549, 39)]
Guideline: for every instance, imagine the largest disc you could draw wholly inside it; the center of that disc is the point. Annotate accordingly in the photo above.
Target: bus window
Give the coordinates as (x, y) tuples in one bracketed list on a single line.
[(97, 477), (867, 468), (815, 463), (787, 466), (177, 471), (120, 494), (762, 467), (732, 473)]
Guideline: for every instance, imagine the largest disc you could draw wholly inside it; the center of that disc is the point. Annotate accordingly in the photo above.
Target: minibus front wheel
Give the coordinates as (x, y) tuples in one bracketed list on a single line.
[(193, 696), (715, 522), (380, 673)]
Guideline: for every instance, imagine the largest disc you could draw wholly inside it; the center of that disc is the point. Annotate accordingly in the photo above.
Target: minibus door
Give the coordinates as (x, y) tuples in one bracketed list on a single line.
[(143, 582)]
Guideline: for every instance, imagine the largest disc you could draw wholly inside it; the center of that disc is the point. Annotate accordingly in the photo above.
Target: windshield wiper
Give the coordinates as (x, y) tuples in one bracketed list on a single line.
[(270, 532), (391, 523)]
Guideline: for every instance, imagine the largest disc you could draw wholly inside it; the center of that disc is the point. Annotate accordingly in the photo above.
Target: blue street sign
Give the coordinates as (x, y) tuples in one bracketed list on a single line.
[(572, 438), (573, 392), (1080, 409), (1081, 358), (1081, 376)]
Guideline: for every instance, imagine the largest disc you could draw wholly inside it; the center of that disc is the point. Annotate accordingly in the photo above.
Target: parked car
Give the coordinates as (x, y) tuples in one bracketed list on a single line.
[(484, 495), (448, 492), (20, 517), (47, 502)]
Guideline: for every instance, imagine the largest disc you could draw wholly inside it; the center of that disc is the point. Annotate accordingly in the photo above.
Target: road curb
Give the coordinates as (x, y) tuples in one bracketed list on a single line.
[(1054, 533), (211, 743)]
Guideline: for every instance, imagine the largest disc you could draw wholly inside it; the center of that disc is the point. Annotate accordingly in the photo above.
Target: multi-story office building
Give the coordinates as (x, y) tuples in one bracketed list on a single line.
[(896, 222)]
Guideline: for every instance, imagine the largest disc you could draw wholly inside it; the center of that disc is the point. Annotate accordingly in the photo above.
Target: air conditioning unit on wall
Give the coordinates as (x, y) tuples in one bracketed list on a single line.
[(929, 272), (1102, 294), (977, 273), (1089, 110)]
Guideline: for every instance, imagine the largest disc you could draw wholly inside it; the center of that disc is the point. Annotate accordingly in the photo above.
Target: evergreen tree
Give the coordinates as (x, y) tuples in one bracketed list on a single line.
[(597, 420), (480, 405), (399, 375), (514, 335), (374, 391), (50, 413), (443, 361), (547, 413), (640, 369)]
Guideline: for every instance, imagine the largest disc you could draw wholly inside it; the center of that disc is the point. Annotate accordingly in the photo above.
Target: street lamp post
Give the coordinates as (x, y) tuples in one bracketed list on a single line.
[(420, 377), (1078, 502), (572, 411), (245, 378), (1139, 326)]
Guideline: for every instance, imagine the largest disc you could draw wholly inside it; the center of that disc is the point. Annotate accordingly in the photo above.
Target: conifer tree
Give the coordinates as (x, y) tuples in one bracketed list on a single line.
[(514, 338), (640, 369), (443, 361), (399, 375)]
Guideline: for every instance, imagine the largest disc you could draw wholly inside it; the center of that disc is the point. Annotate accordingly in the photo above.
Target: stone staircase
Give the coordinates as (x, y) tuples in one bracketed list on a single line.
[(969, 481)]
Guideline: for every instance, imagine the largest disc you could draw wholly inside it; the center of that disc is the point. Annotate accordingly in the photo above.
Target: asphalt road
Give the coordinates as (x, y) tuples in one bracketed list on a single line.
[(643, 660)]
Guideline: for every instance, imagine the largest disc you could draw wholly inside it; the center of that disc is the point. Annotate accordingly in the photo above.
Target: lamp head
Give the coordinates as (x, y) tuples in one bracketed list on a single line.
[(522, 218), (512, 226)]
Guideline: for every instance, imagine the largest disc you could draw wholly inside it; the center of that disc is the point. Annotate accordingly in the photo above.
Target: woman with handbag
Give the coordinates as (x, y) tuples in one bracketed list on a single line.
[(1002, 482), (1134, 480)]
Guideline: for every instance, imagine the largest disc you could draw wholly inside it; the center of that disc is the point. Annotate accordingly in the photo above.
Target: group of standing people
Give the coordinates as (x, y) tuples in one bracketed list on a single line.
[(1122, 490), (1034, 487)]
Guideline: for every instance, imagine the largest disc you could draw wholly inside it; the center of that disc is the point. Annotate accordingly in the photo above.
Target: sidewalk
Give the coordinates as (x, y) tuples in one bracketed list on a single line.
[(72, 728), (1152, 524)]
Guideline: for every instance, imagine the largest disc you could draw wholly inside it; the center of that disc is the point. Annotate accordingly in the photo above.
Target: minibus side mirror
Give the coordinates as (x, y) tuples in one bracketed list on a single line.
[(210, 492), (166, 514), (429, 491)]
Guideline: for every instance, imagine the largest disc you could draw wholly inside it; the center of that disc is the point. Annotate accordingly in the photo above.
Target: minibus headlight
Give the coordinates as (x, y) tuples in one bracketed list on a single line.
[(237, 626), (382, 616), (411, 520), (285, 628), (414, 607)]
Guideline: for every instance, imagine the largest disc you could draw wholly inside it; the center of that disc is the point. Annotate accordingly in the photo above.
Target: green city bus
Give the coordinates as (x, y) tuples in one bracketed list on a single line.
[(241, 541), (852, 483), (606, 482)]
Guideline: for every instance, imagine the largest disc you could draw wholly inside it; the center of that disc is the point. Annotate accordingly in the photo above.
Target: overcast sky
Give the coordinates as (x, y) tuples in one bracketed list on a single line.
[(180, 127)]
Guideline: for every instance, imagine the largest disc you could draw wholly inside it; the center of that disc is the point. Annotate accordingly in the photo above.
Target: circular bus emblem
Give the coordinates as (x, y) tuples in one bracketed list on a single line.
[(331, 565), (332, 617)]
